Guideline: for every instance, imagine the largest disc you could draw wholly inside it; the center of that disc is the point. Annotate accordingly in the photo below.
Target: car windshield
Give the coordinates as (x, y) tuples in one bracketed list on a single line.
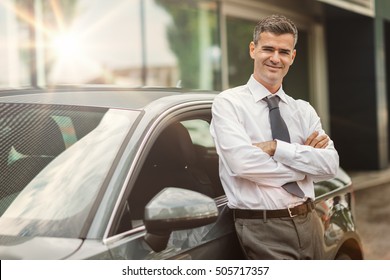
[(54, 160)]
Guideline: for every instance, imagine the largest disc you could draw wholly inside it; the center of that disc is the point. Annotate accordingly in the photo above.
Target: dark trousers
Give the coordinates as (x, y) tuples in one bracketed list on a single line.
[(300, 237)]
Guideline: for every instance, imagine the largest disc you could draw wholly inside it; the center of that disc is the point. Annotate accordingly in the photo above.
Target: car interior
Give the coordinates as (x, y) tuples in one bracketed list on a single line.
[(27, 156), (174, 161), (31, 138)]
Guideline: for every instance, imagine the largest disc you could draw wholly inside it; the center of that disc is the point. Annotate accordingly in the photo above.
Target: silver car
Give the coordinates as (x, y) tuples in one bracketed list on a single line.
[(127, 174)]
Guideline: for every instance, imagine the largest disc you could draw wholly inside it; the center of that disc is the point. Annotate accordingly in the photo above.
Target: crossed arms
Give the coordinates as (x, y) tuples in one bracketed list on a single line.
[(314, 140), (272, 163)]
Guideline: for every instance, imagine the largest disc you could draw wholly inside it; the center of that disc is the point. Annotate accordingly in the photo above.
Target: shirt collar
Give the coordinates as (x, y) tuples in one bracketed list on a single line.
[(259, 92)]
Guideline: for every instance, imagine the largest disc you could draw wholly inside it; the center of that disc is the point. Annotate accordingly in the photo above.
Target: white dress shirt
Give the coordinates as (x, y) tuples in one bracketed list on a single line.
[(251, 178)]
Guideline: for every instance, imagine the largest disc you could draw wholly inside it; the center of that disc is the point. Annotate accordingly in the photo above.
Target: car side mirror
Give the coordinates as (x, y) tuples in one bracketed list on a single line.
[(176, 209)]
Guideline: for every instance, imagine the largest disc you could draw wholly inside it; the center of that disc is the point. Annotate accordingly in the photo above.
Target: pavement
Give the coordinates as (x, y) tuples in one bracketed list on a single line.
[(366, 179)]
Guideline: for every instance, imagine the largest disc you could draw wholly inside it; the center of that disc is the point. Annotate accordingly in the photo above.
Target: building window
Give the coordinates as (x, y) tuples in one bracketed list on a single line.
[(130, 43)]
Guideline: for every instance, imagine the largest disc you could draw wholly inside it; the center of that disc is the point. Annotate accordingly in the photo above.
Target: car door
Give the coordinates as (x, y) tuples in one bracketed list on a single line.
[(181, 154)]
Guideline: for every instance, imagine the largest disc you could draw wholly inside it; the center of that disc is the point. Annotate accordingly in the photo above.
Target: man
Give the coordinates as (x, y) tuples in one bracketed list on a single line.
[(271, 222)]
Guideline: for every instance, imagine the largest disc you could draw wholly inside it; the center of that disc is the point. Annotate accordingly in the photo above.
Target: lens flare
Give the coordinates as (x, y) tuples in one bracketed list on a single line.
[(66, 46)]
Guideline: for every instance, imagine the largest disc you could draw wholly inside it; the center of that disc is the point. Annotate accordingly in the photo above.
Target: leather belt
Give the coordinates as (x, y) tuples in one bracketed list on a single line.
[(291, 212)]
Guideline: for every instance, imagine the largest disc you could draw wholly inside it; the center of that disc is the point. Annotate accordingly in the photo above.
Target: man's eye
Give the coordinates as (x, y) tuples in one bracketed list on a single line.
[(268, 50)]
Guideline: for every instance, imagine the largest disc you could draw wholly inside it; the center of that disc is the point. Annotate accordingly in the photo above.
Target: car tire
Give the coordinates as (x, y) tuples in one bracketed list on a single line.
[(342, 256)]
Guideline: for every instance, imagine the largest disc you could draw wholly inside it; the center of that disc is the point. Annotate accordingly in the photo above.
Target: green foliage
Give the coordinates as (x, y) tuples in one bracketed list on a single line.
[(185, 38)]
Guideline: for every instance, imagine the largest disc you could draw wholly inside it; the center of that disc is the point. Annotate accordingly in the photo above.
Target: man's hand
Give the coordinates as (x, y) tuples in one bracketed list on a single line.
[(268, 147), (315, 141)]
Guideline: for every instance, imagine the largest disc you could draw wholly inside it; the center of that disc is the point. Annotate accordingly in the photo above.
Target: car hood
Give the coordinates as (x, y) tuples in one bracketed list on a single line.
[(38, 248)]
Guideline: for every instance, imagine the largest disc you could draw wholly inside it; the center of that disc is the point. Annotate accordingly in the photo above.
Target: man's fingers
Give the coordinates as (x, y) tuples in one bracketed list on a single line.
[(322, 142), (311, 138), (316, 141)]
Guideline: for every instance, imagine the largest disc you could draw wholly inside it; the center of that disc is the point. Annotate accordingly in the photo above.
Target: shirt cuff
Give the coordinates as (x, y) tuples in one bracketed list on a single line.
[(284, 152)]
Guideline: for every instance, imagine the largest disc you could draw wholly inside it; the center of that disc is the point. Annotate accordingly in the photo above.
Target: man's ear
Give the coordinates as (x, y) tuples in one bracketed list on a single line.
[(252, 49), (293, 56)]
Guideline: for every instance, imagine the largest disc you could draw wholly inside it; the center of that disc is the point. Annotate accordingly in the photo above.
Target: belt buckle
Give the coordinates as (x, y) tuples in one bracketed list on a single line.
[(289, 207)]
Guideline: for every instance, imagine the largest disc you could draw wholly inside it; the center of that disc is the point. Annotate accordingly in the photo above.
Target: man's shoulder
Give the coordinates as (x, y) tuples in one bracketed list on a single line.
[(297, 102), (302, 106), (235, 92), (302, 102), (232, 98)]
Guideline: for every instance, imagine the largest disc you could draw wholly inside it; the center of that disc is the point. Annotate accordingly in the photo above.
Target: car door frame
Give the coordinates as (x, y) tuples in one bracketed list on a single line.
[(116, 241)]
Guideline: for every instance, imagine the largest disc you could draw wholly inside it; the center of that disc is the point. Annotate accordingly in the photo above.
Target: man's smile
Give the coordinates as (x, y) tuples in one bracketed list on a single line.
[(276, 67)]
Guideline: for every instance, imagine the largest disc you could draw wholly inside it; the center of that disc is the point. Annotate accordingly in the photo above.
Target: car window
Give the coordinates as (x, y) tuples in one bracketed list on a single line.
[(178, 158), (199, 131), (54, 160)]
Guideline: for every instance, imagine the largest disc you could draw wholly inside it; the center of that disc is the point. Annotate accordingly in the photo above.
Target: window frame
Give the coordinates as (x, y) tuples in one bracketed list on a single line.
[(181, 112)]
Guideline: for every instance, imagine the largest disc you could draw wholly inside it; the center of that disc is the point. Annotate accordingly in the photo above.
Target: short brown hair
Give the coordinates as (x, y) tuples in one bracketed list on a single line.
[(276, 24)]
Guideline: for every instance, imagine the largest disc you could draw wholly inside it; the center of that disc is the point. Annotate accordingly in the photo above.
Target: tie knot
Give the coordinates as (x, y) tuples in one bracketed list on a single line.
[(273, 102)]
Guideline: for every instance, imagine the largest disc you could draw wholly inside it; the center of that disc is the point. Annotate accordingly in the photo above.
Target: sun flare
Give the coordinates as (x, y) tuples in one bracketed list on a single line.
[(66, 46)]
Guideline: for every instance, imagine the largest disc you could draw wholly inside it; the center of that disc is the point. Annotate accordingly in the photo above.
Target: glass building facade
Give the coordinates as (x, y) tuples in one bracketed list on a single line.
[(203, 44), (194, 44), (131, 43)]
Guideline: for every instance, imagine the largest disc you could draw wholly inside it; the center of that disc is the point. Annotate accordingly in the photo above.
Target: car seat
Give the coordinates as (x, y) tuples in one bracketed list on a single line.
[(172, 162), (34, 141)]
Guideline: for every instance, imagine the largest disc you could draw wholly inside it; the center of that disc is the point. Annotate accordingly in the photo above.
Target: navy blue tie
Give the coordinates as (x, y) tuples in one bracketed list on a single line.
[(280, 131)]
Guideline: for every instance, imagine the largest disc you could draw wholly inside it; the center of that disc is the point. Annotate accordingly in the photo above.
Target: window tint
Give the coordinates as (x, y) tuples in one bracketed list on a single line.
[(199, 131), (53, 162), (178, 158)]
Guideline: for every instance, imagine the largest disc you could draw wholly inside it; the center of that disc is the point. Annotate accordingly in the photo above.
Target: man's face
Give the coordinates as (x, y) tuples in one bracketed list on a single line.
[(272, 56)]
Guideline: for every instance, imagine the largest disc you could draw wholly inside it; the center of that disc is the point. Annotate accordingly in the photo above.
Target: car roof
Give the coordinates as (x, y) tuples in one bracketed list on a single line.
[(123, 98)]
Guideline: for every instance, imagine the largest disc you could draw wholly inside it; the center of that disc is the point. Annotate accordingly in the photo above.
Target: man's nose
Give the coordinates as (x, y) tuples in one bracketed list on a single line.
[(275, 57)]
